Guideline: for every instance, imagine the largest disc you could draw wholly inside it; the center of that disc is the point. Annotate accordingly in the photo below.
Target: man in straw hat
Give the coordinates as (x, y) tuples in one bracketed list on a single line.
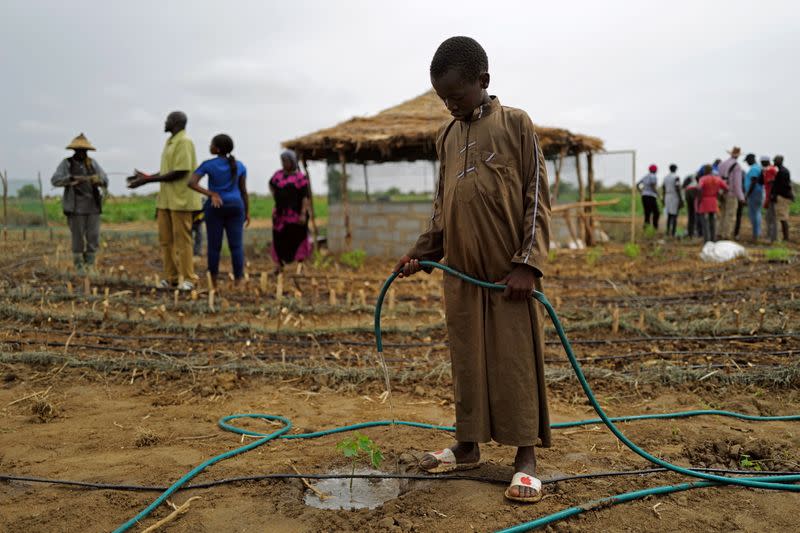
[(82, 179), (731, 172), (176, 203)]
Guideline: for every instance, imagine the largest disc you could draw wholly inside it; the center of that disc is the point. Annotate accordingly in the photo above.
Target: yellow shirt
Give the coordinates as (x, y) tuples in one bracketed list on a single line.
[(176, 195)]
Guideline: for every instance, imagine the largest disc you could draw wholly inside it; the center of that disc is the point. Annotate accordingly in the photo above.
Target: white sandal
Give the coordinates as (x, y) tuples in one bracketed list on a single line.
[(447, 462), (521, 479)]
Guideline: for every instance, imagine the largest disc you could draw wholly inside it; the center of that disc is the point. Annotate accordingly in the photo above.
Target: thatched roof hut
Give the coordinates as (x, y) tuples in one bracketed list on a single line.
[(407, 132)]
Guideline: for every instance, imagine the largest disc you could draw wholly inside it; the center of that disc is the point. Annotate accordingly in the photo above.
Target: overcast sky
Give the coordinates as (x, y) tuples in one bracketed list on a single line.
[(677, 81)]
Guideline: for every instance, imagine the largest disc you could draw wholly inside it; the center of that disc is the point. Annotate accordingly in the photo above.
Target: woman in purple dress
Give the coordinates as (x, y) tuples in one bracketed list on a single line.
[(292, 193)]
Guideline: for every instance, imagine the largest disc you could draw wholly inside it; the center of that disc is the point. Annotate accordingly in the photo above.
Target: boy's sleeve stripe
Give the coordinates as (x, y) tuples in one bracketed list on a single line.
[(535, 198)]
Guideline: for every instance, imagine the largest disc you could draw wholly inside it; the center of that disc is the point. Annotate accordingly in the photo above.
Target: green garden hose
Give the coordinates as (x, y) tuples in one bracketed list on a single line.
[(784, 482)]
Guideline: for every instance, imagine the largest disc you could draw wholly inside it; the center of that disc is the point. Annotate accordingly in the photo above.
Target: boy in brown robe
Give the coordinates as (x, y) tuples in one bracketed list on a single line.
[(491, 220)]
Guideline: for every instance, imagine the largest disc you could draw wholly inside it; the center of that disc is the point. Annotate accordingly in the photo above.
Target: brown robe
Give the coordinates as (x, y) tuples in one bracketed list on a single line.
[(491, 210)]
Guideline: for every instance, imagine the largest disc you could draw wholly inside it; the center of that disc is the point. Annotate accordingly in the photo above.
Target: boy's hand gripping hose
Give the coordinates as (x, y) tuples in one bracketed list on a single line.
[(782, 482)]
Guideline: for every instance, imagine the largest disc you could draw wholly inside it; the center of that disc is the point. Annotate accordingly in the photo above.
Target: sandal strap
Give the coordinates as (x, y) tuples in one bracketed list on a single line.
[(445, 456), (521, 479)]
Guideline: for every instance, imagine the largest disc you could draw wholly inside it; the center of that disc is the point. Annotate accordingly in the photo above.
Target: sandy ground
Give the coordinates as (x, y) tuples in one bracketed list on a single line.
[(134, 395)]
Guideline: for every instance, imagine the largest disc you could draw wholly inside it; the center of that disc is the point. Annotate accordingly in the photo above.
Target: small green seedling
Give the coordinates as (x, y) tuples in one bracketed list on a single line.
[(354, 259), (649, 232), (360, 446), (321, 261), (632, 250), (745, 462), (552, 255), (778, 255), (593, 256)]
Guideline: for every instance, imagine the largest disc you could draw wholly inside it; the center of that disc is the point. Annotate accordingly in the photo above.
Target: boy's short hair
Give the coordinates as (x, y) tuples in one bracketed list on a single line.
[(462, 53)]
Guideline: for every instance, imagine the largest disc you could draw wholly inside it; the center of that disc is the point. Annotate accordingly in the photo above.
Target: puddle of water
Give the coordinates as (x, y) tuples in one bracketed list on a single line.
[(366, 493)]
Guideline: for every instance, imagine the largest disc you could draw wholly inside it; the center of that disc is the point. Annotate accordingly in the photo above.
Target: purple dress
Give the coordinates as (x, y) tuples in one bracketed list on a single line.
[(290, 240)]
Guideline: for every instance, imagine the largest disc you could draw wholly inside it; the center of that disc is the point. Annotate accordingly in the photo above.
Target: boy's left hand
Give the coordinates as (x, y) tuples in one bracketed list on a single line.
[(519, 283)]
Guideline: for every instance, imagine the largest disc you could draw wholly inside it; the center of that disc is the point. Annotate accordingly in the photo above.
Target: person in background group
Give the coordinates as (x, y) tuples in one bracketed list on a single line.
[(690, 193), (673, 201), (709, 186), (731, 171), (782, 196), (175, 204), (648, 188), (197, 233), (754, 194), (82, 179), (292, 192), (227, 209), (770, 171)]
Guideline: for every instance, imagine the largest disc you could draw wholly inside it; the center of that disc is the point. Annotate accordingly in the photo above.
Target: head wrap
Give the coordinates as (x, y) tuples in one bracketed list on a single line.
[(291, 156)]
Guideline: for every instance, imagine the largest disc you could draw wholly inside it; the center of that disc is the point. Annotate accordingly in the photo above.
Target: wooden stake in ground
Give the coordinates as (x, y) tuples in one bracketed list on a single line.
[(279, 288), (736, 318), (210, 281), (86, 286), (362, 297), (263, 282), (69, 287), (332, 297), (211, 300), (391, 300), (615, 319), (175, 298), (314, 290)]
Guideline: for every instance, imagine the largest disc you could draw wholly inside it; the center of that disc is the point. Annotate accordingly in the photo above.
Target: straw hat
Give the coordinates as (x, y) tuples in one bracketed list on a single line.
[(735, 151), (80, 143)]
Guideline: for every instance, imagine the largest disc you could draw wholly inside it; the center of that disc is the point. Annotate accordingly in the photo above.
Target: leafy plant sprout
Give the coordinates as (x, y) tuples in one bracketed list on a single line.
[(360, 446)]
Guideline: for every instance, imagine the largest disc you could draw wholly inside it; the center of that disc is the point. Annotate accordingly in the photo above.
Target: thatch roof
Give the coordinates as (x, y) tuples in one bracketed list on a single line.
[(407, 132)]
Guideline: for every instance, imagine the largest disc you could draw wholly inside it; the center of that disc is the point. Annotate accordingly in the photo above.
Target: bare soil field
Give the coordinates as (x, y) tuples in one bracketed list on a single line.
[(105, 379)]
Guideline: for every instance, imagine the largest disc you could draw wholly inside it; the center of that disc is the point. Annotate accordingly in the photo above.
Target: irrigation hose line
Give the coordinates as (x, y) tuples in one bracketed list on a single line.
[(410, 477), (781, 482)]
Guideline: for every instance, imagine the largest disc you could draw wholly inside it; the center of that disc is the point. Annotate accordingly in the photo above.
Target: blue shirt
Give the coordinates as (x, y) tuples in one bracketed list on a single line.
[(220, 180), (753, 174)]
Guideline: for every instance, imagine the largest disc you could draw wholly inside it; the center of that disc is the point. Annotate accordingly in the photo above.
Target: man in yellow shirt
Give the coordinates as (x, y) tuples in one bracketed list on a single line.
[(175, 204)]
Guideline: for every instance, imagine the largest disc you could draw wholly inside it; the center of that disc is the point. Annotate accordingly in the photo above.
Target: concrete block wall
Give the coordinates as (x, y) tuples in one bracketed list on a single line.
[(381, 229), (389, 229)]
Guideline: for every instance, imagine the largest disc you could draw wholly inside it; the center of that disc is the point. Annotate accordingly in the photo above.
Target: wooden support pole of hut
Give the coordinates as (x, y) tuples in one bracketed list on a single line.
[(366, 182), (311, 204), (587, 232), (559, 162), (348, 238), (589, 198)]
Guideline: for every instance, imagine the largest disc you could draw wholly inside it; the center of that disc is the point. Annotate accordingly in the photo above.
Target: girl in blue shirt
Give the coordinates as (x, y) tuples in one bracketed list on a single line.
[(228, 207)]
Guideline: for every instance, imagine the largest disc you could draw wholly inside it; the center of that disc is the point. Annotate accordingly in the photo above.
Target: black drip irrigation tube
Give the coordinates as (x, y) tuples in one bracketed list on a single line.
[(92, 485)]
